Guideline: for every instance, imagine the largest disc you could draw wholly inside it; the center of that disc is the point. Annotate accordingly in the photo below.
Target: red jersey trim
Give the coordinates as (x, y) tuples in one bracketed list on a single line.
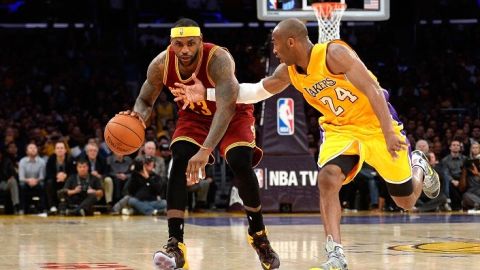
[(210, 55)]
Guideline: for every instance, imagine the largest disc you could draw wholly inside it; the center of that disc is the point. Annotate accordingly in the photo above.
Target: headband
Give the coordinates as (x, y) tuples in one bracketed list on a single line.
[(185, 31)]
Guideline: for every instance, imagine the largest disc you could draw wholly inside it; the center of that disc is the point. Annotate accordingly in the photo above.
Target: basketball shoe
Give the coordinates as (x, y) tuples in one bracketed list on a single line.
[(431, 182), (268, 257), (336, 257), (174, 256)]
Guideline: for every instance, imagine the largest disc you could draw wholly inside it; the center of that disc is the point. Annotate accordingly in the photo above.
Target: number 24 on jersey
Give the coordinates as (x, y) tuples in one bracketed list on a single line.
[(342, 94)]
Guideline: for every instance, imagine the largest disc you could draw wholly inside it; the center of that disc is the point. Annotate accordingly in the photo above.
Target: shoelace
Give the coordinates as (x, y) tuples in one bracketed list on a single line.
[(170, 247), (264, 248), (334, 255), (331, 255)]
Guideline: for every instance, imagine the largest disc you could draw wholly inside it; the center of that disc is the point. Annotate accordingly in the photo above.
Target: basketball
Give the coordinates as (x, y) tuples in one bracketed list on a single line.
[(124, 134)]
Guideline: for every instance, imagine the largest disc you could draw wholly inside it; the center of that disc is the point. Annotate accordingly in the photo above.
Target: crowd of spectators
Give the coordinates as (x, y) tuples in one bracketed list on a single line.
[(59, 87)]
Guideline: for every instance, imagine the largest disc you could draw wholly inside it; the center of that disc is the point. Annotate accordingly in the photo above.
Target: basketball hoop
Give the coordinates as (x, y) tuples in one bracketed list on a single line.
[(329, 15)]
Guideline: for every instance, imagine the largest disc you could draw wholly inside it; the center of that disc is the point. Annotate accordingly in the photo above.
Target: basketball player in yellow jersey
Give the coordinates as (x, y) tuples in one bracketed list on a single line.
[(358, 124)]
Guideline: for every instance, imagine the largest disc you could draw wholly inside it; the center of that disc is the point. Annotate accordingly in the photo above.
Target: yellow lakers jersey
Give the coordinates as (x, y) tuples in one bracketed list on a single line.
[(340, 103)]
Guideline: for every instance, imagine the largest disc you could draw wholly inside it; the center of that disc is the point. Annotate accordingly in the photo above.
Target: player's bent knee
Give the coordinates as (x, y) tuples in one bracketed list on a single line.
[(240, 158), (401, 194), (329, 178), (406, 203)]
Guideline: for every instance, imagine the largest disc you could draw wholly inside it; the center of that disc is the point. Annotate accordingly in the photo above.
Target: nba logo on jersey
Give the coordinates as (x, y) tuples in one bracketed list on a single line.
[(285, 116)]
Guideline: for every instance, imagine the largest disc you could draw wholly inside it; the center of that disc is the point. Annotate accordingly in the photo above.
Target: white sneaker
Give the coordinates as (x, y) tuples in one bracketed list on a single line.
[(336, 257), (127, 211), (431, 182), (53, 209)]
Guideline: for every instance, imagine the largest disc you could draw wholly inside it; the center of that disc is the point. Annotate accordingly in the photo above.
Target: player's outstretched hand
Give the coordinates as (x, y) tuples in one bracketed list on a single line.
[(190, 93), (180, 96), (134, 114), (395, 144), (196, 167)]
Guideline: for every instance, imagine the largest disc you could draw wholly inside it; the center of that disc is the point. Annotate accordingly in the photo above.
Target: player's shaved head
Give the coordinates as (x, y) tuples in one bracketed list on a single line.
[(291, 44), (291, 28)]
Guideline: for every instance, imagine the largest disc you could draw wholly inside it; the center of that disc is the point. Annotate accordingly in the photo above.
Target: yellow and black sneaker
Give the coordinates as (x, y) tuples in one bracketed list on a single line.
[(268, 257), (174, 256)]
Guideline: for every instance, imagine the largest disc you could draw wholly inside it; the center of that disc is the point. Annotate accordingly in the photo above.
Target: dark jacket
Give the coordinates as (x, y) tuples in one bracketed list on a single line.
[(7, 169), (91, 181), (469, 181), (452, 167), (100, 166), (144, 189), (52, 169)]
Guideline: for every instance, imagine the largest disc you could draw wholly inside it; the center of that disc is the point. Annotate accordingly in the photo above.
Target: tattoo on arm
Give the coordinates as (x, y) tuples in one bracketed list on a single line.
[(151, 88), (221, 69)]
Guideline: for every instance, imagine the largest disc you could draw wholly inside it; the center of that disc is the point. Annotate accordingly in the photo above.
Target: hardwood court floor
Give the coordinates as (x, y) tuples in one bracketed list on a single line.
[(217, 241)]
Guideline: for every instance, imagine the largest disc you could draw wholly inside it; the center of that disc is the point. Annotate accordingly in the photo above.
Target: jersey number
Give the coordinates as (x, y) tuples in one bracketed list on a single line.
[(203, 108), (342, 94)]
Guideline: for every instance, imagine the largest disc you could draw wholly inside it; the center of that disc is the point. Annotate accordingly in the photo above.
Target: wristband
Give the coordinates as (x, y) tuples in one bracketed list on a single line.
[(211, 94)]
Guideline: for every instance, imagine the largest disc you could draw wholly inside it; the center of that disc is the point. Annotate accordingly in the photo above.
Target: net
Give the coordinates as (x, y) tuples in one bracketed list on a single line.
[(329, 15)]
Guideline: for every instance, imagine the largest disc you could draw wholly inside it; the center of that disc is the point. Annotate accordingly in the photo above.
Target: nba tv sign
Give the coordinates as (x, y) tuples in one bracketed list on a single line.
[(285, 116)]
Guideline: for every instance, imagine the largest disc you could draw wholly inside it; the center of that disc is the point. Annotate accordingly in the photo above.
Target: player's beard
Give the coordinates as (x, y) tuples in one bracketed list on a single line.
[(192, 60)]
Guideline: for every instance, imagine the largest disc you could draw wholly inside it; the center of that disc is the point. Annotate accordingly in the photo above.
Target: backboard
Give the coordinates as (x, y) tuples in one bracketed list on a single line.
[(357, 10)]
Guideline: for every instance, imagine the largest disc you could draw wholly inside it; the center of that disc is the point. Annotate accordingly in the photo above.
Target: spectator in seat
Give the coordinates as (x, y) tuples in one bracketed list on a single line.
[(150, 150), (59, 168), (12, 154), (474, 150), (475, 135), (31, 174), (423, 146), (98, 167), (452, 166), (145, 188), (81, 191), (8, 182), (470, 182), (119, 171)]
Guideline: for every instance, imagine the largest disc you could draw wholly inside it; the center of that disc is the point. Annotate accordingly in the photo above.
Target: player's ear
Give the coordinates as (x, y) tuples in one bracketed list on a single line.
[(290, 41)]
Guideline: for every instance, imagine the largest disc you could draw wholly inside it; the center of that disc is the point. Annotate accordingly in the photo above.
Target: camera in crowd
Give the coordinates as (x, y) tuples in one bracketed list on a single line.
[(473, 162), (138, 163), (84, 185)]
